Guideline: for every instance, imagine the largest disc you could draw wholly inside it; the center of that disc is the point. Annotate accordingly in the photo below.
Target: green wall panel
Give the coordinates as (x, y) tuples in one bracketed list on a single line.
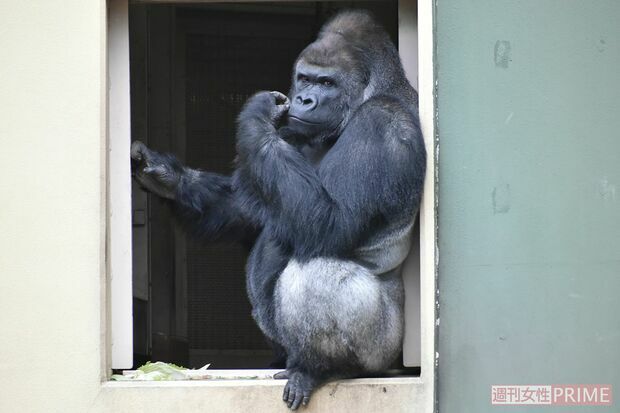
[(529, 197)]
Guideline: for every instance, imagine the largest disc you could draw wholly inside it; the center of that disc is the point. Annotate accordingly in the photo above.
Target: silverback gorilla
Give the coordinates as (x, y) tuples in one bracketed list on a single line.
[(327, 185)]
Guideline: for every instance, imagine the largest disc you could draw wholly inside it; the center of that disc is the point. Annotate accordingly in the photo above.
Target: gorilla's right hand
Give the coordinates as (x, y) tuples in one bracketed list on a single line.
[(157, 173), (264, 108)]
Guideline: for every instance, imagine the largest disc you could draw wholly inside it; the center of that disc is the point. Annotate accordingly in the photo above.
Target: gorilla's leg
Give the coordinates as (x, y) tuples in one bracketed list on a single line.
[(336, 320), (265, 263)]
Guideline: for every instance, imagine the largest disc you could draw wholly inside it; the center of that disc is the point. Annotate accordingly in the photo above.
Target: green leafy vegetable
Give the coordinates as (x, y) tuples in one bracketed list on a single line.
[(160, 371)]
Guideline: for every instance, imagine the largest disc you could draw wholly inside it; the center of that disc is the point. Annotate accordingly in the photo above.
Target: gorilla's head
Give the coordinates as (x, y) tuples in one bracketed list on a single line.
[(352, 60)]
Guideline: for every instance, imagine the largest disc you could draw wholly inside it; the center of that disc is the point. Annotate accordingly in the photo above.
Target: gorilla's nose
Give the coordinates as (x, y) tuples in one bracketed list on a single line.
[(305, 102)]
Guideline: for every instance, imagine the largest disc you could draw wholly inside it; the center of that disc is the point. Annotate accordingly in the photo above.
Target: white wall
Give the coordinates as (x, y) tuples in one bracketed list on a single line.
[(51, 183)]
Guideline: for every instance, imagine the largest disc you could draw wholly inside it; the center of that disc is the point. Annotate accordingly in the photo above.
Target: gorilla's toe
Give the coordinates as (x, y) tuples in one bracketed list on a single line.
[(284, 374), (298, 390)]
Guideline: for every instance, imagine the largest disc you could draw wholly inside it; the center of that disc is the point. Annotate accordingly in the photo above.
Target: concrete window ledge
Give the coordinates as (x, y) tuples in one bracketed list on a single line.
[(372, 395)]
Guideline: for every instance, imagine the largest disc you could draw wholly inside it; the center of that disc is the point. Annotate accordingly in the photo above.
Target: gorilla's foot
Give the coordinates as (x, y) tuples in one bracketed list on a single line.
[(298, 389)]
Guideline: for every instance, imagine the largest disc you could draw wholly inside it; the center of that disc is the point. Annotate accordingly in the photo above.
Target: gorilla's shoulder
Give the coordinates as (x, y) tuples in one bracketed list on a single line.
[(386, 108), (388, 120)]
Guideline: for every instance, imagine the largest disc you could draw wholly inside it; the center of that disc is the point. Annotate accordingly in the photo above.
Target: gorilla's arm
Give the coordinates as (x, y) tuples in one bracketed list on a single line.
[(202, 201), (364, 180), (206, 207)]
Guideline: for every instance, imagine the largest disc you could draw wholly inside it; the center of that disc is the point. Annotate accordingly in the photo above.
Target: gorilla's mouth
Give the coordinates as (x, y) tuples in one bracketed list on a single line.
[(295, 118)]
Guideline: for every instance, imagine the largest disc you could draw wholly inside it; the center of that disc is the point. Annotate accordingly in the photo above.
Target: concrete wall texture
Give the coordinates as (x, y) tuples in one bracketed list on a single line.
[(529, 197)]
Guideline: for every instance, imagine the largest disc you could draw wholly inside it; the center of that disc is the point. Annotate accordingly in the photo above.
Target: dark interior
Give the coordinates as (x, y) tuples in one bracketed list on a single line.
[(192, 68)]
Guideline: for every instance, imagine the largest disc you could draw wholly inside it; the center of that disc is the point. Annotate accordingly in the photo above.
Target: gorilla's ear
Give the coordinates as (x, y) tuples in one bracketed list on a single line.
[(371, 82), (369, 90)]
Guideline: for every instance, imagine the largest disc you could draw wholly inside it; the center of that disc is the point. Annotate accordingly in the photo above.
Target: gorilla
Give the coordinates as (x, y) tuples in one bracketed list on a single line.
[(326, 187)]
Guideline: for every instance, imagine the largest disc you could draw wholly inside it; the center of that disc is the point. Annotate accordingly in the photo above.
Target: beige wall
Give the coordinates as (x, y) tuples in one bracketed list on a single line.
[(52, 222), (50, 216)]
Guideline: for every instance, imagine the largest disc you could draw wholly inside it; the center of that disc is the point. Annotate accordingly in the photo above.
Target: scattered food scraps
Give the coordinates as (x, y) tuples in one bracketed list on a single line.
[(160, 371)]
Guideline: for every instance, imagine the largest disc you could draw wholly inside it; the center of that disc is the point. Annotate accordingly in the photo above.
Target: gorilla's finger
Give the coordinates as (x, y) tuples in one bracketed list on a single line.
[(151, 169), (138, 150), (281, 98)]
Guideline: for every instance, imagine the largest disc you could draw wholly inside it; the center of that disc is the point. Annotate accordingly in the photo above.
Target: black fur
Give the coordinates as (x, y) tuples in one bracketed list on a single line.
[(326, 186)]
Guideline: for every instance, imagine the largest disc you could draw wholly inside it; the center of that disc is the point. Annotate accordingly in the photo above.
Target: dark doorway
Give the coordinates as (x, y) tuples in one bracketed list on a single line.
[(192, 68)]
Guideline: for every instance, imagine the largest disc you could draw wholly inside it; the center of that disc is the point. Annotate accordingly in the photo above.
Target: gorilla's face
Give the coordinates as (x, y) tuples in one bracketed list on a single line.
[(317, 101), (325, 90)]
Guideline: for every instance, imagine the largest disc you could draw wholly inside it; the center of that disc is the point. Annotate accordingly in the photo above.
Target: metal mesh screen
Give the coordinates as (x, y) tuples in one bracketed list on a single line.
[(228, 58)]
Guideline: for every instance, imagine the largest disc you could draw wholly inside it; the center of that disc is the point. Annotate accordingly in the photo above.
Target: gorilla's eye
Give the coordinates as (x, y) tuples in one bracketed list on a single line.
[(303, 78), (327, 82)]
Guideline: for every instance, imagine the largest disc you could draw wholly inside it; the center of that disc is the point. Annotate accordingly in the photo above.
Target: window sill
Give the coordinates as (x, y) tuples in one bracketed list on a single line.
[(390, 394)]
